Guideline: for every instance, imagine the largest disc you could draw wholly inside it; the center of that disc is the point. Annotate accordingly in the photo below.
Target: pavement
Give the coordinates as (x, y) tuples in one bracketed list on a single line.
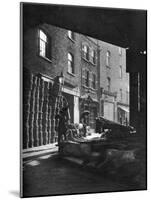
[(37, 151), (46, 173)]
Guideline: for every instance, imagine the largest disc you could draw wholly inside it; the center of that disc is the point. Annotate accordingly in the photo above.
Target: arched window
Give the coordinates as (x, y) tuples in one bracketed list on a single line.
[(108, 55), (44, 45), (70, 63)]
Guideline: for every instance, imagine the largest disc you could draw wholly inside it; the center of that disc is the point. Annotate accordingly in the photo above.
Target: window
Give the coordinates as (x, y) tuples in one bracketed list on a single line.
[(121, 95), (108, 55), (120, 51), (108, 84), (87, 79), (120, 71), (85, 51), (71, 35), (93, 81), (44, 45), (70, 63), (127, 97), (93, 56)]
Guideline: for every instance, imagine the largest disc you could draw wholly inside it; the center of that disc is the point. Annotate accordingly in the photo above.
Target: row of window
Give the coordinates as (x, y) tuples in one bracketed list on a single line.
[(87, 53), (89, 79)]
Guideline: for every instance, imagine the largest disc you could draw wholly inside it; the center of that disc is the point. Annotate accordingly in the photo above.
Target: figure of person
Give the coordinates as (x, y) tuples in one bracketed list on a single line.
[(84, 121), (62, 125)]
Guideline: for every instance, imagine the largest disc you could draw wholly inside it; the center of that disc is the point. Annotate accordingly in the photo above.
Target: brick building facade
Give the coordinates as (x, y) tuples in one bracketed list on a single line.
[(49, 51), (89, 78)]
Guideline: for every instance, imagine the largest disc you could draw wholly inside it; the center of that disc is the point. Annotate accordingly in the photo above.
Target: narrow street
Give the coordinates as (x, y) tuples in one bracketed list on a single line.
[(51, 175)]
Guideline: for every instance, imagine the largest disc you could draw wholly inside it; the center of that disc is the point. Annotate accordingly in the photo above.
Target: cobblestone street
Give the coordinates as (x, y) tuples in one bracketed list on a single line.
[(51, 175)]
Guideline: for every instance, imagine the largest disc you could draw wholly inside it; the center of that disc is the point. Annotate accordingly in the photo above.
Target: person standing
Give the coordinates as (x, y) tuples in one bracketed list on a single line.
[(84, 121)]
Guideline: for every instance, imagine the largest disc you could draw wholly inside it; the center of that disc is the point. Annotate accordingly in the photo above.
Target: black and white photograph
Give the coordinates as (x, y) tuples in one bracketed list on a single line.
[(83, 99)]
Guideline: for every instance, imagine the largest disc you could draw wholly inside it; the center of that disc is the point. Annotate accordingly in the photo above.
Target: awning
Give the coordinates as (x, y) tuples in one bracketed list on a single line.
[(126, 109)]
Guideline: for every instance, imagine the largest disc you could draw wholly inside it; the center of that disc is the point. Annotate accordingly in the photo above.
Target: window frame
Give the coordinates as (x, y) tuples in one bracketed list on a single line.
[(93, 81), (120, 72), (71, 61), (87, 77), (85, 54), (71, 35), (108, 84), (127, 97), (120, 51), (93, 56), (47, 45), (108, 58)]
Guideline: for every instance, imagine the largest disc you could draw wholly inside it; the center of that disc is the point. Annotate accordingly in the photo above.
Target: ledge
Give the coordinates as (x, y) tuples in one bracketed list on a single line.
[(45, 58), (71, 74)]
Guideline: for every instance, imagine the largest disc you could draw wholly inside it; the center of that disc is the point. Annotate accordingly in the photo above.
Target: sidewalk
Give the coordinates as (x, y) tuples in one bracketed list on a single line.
[(36, 151)]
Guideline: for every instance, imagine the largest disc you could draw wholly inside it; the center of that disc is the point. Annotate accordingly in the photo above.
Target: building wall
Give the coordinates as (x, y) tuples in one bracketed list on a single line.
[(118, 83), (116, 60), (60, 46), (87, 65), (39, 106), (39, 91)]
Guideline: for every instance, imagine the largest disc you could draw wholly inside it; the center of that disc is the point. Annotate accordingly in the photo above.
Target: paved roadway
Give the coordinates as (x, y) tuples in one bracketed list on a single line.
[(51, 175)]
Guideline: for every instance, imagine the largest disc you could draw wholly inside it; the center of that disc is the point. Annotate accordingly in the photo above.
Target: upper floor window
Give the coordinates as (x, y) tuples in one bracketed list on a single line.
[(87, 78), (120, 51), (121, 95), (108, 84), (127, 97), (93, 81), (70, 63), (71, 35), (44, 45), (93, 56), (108, 55), (85, 51), (120, 71)]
